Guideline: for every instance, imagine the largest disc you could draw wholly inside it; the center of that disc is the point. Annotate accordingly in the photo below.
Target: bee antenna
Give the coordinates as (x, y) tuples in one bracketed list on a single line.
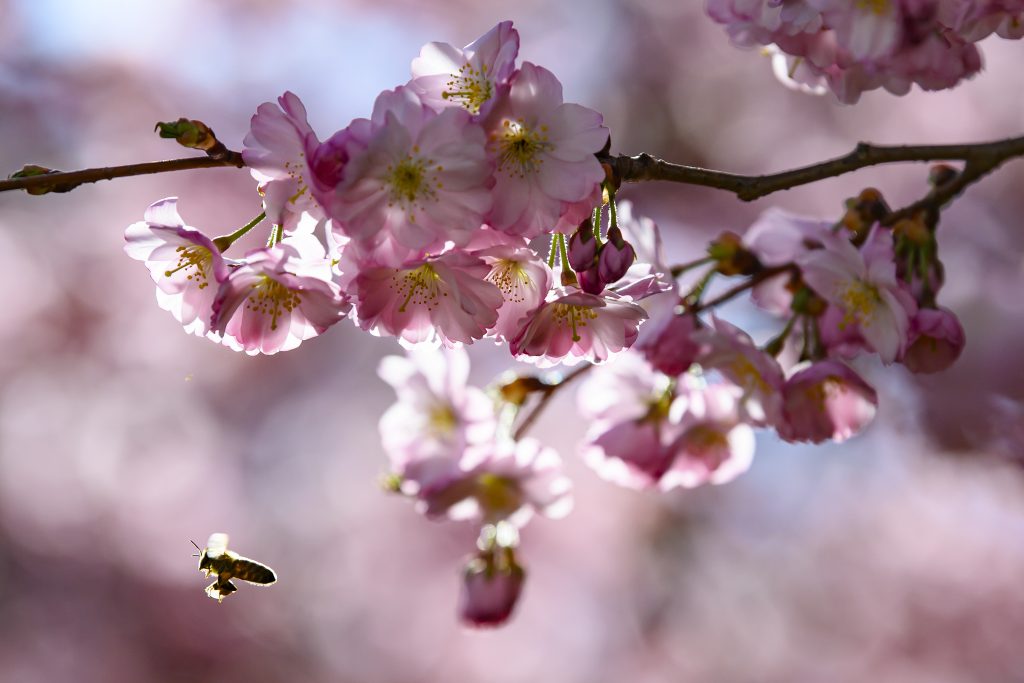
[(196, 545)]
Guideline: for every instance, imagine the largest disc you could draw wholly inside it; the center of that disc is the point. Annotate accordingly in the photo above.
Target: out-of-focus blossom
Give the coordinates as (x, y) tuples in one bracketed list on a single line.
[(573, 326), (471, 78), (863, 285), (446, 297), (826, 401), (714, 443), (671, 348), (184, 263), (974, 20), (503, 481), (523, 280), (935, 341), (544, 151), (278, 149), (279, 297), (868, 29), (491, 585), (413, 174), (437, 418), (732, 352)]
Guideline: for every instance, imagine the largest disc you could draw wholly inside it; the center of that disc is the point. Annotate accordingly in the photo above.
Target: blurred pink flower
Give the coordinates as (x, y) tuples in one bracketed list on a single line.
[(279, 297), (935, 341), (863, 285), (437, 416), (184, 263), (413, 174), (671, 348), (714, 443), (503, 481), (573, 326), (471, 78), (732, 352), (867, 29), (444, 297), (523, 280), (826, 401), (544, 151)]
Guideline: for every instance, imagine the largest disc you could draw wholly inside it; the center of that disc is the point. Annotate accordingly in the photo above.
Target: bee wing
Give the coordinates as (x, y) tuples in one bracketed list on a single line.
[(217, 545), (252, 571)]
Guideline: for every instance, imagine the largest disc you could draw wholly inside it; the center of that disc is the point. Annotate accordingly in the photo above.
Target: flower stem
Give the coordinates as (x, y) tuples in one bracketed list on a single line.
[(226, 241)]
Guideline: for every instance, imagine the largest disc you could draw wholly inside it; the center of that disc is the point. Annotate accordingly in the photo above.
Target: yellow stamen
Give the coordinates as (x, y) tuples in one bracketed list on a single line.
[(196, 257), (270, 297)]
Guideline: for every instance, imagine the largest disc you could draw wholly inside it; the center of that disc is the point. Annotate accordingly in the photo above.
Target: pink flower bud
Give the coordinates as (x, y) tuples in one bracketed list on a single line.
[(935, 341), (582, 248), (491, 584), (617, 255), (590, 280)]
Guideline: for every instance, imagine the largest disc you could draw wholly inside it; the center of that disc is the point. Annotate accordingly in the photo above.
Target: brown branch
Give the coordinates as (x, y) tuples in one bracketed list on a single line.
[(754, 280), (988, 155), (72, 179), (546, 396)]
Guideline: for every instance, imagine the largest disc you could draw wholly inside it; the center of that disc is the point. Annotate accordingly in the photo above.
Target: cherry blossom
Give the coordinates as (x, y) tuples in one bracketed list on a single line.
[(544, 153), (826, 401), (523, 280), (492, 582), (185, 264), (935, 341), (471, 78)]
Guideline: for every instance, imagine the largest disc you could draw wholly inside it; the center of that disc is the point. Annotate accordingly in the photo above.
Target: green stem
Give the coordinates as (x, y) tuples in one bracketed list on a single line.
[(597, 225), (226, 241), (563, 253), (554, 250)]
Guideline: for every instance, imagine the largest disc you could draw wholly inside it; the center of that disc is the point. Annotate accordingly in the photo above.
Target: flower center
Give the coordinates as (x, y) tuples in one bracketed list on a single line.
[(822, 392), (270, 297), (566, 315), (442, 420), (411, 180), (295, 172), (859, 301), (520, 147), (747, 375), (709, 444), (509, 277), (497, 494), (419, 287), (195, 257), (878, 7), (470, 88)]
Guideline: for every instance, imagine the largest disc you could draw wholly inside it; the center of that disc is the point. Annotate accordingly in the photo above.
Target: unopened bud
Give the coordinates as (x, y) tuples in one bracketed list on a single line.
[(615, 259), (590, 281), (732, 258), (192, 134), (582, 247), (913, 230), (491, 585), (31, 170), (940, 174)]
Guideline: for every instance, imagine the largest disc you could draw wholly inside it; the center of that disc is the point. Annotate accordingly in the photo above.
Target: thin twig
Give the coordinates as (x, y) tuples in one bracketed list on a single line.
[(545, 398), (754, 280), (747, 188), (92, 175)]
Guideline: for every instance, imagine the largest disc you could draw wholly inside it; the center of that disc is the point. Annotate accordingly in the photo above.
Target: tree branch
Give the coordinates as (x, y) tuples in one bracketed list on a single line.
[(546, 397), (987, 155), (70, 180)]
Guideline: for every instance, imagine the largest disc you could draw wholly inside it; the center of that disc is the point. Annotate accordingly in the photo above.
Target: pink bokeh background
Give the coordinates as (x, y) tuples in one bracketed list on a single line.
[(895, 557)]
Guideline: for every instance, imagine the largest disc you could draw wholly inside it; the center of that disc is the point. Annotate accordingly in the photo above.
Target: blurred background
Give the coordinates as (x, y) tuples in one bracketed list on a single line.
[(895, 557)]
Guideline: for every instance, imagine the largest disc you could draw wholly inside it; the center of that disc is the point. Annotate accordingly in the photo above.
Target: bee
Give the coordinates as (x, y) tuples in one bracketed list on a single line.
[(226, 565)]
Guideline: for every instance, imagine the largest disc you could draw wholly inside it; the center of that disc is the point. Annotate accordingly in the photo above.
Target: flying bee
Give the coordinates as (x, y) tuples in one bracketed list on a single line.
[(218, 560)]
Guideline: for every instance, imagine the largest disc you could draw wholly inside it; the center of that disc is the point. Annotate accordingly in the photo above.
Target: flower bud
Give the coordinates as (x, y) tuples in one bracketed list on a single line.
[(731, 256), (31, 170), (616, 256), (491, 584), (590, 281), (582, 248), (940, 174), (192, 134), (517, 390)]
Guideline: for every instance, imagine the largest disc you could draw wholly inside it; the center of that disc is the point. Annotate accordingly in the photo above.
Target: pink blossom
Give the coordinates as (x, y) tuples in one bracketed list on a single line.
[(491, 585), (279, 297), (544, 152), (867, 29), (184, 263), (826, 401), (714, 443), (471, 78), (761, 22), (437, 418), (672, 348), (732, 352), (573, 326), (973, 20), (414, 175), (445, 297), (504, 481), (863, 285), (523, 280), (277, 150), (935, 341)]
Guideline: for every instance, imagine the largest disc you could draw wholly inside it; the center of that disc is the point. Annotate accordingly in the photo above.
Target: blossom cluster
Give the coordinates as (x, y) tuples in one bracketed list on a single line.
[(472, 205), (427, 211), (852, 46)]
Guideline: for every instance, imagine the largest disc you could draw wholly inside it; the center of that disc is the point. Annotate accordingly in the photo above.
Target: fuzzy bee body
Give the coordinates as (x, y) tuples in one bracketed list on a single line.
[(226, 565)]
